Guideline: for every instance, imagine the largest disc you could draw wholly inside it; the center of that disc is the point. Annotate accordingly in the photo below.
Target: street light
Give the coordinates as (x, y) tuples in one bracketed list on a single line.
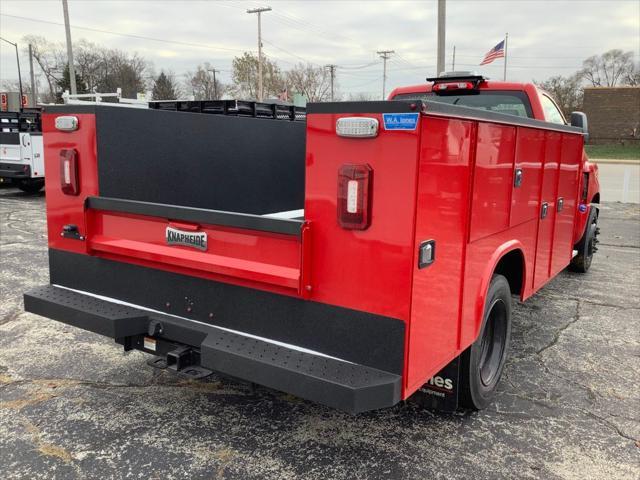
[(18, 62)]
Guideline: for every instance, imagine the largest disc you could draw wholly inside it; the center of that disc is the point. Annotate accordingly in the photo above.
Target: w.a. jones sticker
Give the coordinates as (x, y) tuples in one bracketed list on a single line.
[(187, 239), (400, 121)]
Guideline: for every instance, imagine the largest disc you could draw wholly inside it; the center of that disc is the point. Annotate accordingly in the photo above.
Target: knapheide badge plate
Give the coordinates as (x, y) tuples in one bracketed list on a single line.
[(196, 240)]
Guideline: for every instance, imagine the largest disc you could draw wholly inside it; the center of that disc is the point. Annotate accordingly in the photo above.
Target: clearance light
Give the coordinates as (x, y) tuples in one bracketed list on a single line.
[(67, 123), (354, 196), (69, 179), (361, 127)]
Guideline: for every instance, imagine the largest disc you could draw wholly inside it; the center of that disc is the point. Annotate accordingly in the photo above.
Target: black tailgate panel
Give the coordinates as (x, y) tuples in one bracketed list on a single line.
[(237, 164)]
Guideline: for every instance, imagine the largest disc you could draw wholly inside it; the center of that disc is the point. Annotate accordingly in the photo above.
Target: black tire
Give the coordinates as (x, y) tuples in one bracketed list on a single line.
[(31, 186), (482, 363), (586, 247)]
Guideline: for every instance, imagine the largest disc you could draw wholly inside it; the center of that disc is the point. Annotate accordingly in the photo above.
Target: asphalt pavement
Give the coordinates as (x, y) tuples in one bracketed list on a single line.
[(74, 406)]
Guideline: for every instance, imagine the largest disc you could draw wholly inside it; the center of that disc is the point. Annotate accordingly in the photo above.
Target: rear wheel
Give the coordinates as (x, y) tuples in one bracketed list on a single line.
[(31, 186), (587, 245), (482, 363)]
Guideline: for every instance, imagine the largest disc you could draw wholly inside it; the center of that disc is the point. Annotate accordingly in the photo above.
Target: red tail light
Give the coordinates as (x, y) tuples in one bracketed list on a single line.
[(354, 196), (69, 179)]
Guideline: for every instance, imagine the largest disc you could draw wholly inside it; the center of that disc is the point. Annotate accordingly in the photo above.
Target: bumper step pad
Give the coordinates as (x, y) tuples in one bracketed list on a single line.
[(343, 385)]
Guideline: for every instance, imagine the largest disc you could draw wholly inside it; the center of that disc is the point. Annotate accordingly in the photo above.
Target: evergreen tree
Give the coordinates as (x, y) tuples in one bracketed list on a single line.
[(164, 88), (65, 83)]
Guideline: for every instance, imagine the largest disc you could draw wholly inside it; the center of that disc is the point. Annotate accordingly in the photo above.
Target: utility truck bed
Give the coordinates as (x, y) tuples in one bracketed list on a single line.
[(347, 257)]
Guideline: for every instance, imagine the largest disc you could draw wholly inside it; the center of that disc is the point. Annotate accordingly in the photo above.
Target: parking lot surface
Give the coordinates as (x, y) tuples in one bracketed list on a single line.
[(73, 405)]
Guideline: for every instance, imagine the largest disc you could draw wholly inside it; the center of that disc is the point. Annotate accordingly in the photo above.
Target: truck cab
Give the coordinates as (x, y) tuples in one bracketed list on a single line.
[(526, 100)]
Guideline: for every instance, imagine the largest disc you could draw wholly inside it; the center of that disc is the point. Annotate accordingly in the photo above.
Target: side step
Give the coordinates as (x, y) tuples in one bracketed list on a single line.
[(333, 382)]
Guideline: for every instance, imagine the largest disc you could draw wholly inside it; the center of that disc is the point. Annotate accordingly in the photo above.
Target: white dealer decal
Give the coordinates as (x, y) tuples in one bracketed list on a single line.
[(187, 239)]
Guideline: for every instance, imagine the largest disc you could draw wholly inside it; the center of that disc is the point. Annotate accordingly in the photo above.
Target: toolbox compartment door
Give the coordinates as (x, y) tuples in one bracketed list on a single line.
[(547, 209), (566, 202)]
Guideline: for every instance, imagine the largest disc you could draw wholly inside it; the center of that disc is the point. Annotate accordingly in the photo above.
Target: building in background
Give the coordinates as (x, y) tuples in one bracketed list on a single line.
[(10, 101), (613, 114)]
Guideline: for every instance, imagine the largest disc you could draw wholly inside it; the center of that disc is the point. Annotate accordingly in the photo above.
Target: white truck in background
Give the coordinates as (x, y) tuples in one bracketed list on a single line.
[(21, 150)]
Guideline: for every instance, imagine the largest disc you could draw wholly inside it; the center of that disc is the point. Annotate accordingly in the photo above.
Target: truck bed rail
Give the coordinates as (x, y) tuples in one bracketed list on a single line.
[(234, 107)]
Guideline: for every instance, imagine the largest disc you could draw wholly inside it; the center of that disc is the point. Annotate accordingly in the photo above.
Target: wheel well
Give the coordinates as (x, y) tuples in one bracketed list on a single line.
[(511, 266), (596, 198)]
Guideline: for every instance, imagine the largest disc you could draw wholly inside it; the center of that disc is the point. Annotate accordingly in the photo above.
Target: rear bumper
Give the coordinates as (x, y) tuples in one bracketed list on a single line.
[(311, 375), (16, 171)]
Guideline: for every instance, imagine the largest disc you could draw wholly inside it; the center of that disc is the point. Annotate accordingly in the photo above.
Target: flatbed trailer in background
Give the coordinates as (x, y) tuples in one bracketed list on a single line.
[(358, 258)]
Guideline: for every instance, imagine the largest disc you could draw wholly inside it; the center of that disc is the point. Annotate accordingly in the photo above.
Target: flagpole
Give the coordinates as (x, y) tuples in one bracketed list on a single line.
[(506, 37)]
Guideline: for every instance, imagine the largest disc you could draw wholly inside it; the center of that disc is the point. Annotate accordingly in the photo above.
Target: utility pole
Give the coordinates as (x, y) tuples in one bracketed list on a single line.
[(442, 13), (215, 84), (67, 29), (259, 12), (453, 64), (384, 55), (332, 71), (15, 45), (34, 102)]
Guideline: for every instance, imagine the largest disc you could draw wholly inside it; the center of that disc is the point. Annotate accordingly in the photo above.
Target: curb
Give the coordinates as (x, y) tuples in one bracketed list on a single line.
[(616, 160)]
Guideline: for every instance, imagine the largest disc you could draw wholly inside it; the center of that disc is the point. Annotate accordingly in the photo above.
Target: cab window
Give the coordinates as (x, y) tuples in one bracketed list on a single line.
[(551, 112), (499, 101)]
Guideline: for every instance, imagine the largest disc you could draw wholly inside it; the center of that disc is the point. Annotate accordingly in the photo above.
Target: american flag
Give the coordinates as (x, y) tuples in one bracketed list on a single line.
[(495, 52)]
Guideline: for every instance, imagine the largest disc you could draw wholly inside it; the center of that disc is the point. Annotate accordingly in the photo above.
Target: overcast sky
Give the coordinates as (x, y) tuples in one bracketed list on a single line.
[(545, 37)]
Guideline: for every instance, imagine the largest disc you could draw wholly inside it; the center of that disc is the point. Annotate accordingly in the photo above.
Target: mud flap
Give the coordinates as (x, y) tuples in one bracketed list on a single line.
[(442, 390)]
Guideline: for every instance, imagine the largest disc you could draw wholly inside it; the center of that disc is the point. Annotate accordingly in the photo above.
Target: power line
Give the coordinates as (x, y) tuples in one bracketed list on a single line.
[(140, 37), (358, 67), (366, 83), (291, 53)]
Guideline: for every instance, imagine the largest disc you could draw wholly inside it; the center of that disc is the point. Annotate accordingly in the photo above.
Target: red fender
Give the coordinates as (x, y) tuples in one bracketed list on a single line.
[(500, 252)]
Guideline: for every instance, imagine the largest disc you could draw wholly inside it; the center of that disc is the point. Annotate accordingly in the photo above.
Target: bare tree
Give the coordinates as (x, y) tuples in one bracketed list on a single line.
[(362, 97), (566, 91), (312, 82), (89, 60), (99, 68), (123, 71), (245, 77), (633, 77), (51, 58), (203, 84), (609, 69)]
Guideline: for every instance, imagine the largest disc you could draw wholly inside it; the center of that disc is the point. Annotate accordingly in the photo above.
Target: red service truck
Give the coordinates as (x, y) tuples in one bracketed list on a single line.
[(357, 257)]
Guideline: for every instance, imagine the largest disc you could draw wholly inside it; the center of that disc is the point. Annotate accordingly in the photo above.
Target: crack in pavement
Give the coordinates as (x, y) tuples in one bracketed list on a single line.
[(591, 302), (556, 337), (616, 245), (11, 316), (155, 381), (608, 424)]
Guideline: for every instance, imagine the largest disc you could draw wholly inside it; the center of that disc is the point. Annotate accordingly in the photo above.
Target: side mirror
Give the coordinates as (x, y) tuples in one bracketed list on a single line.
[(579, 119)]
